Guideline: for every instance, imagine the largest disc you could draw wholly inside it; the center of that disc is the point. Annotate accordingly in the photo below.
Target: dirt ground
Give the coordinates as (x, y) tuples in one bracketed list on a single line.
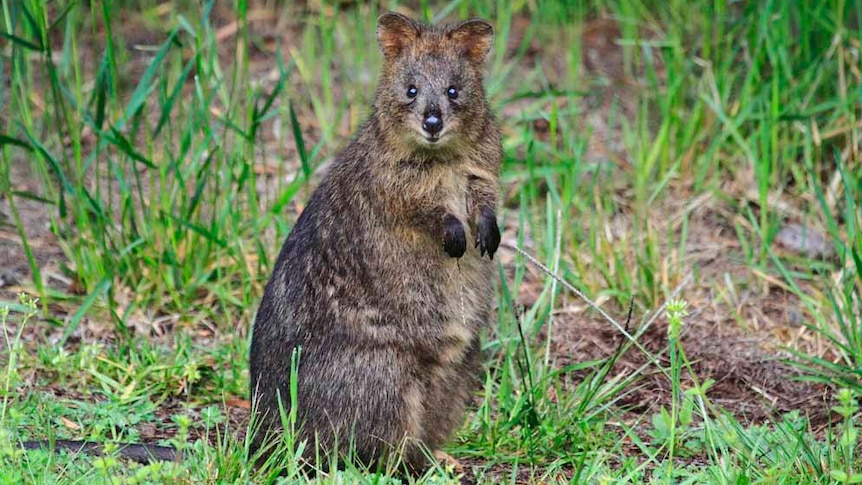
[(745, 359)]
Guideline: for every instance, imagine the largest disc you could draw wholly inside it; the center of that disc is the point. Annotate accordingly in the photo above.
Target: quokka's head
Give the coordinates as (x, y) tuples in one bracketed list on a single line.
[(430, 94)]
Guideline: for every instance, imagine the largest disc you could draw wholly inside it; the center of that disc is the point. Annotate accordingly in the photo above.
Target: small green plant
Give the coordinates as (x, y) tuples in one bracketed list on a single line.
[(10, 454), (14, 348), (844, 468), (675, 429), (679, 413)]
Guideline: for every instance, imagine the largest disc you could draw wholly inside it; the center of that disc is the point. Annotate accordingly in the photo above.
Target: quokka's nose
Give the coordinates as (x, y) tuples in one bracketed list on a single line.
[(433, 123)]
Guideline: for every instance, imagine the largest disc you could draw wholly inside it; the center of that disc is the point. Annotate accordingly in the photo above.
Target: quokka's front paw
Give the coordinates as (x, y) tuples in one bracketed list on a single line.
[(454, 237), (488, 235)]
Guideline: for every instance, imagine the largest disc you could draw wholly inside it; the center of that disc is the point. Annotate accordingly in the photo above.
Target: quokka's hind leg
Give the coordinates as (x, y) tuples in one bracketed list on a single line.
[(448, 396), (364, 402)]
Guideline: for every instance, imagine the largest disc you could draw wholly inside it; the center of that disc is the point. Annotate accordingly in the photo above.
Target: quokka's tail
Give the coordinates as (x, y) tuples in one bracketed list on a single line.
[(141, 453)]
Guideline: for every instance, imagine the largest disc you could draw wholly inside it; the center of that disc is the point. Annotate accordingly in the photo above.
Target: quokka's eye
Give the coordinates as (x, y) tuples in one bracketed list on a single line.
[(412, 91), (452, 92)]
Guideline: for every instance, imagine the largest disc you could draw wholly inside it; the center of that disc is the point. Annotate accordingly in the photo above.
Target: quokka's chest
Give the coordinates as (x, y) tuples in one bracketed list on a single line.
[(445, 185)]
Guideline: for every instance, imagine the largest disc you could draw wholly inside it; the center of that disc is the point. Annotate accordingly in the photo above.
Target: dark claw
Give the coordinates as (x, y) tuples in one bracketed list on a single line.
[(454, 237), (488, 237)]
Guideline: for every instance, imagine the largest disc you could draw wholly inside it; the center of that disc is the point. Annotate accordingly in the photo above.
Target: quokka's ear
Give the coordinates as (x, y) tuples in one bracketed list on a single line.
[(475, 37), (394, 33)]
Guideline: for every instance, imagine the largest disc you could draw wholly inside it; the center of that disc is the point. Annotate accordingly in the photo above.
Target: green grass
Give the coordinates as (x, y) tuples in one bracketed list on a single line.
[(171, 165)]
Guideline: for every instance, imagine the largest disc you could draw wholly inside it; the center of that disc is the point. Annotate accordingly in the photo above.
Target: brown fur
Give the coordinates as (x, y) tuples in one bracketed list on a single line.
[(376, 282)]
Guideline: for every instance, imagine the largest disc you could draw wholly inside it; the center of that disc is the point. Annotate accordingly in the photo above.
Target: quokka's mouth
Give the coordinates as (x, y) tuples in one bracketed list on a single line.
[(432, 139)]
